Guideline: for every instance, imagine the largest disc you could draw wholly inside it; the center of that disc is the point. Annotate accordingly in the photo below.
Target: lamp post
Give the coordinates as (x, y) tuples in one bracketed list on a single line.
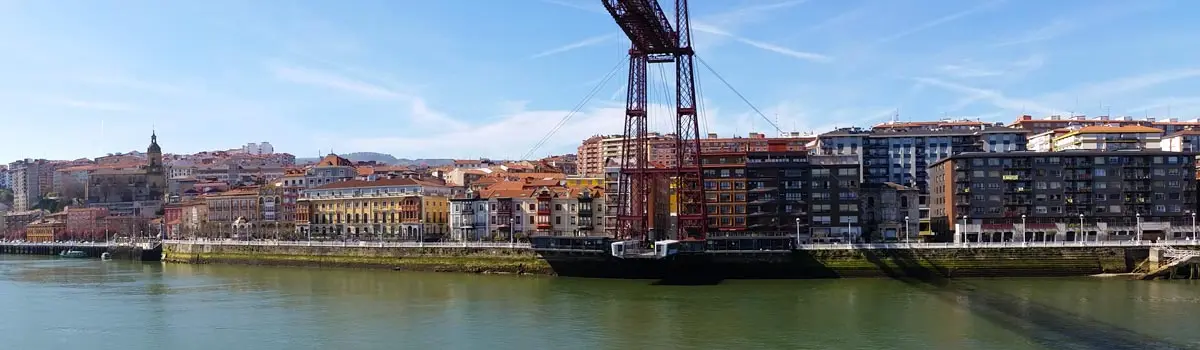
[(1138, 221), (906, 232), (512, 226), (1081, 231), (960, 233), (1024, 231), (1193, 226), (798, 231)]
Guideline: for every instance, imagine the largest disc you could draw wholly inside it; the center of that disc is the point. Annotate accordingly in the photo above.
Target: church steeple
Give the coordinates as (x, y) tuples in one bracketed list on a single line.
[(154, 149)]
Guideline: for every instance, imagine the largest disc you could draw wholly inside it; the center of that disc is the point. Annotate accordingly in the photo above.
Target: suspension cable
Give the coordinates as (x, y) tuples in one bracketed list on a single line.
[(739, 94), (579, 106)]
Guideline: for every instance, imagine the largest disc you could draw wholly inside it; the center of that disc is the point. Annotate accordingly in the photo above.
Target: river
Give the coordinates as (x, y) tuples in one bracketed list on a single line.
[(52, 303)]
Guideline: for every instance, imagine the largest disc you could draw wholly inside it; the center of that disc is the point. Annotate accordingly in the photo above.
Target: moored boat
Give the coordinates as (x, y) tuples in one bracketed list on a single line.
[(73, 253)]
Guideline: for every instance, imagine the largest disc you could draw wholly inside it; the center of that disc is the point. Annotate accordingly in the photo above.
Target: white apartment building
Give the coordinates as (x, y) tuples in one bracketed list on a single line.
[(258, 148), (24, 179), (1109, 138)]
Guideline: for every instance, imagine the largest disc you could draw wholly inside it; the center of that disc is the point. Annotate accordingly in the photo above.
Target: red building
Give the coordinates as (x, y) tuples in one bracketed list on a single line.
[(86, 223), (172, 217)]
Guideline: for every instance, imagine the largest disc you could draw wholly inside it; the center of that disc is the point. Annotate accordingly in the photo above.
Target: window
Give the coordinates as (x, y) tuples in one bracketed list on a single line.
[(558, 207), (558, 220)]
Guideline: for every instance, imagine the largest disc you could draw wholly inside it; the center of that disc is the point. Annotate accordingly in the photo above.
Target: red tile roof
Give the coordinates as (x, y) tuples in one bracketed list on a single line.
[(334, 160), (378, 183)]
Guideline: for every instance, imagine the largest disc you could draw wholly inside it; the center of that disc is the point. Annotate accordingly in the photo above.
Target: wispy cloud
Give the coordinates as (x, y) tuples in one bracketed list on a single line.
[(1166, 105), (1092, 14), (743, 15), (843, 17), (590, 6), (324, 79), (940, 21), (994, 97), (1050, 31), (100, 106), (969, 69), (596, 40), (1124, 85), (418, 110), (807, 56), (962, 72)]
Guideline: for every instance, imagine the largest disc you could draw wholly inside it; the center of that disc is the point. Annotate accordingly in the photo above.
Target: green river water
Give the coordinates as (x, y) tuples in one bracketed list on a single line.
[(51, 303)]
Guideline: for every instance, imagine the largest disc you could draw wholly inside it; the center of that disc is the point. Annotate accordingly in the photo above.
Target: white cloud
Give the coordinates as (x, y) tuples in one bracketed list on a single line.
[(329, 80), (807, 56), (994, 97), (589, 6), (1169, 106), (596, 40), (100, 106), (962, 72), (509, 135), (940, 21), (418, 111), (1053, 30)]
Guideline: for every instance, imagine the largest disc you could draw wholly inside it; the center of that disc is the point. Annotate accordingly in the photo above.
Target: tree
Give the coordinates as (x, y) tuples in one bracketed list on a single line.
[(6, 196)]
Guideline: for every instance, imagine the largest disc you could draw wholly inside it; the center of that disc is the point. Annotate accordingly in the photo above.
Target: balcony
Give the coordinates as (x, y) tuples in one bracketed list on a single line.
[(761, 213), (543, 208), (763, 189)]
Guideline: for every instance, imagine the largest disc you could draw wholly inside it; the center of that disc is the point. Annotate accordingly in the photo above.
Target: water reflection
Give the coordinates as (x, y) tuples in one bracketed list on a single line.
[(143, 306)]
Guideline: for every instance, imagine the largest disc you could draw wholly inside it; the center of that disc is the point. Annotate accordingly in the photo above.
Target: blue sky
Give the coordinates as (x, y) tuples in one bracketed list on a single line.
[(459, 78)]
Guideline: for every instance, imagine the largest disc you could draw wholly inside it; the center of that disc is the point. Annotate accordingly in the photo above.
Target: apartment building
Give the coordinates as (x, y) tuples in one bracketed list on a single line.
[(725, 191), (388, 209), (900, 153), (1097, 138), (234, 213), (1063, 196), (24, 176), (594, 151), (5, 179), (1038, 126)]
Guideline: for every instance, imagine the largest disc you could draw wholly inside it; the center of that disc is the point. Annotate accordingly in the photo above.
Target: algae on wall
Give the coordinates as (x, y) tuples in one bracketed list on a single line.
[(476, 260)]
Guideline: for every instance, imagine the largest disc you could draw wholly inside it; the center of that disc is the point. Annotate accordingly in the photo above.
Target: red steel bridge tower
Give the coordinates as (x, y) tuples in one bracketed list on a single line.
[(654, 40)]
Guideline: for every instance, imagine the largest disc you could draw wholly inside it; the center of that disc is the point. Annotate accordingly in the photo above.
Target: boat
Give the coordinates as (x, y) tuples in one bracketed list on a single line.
[(105, 256), (73, 253)]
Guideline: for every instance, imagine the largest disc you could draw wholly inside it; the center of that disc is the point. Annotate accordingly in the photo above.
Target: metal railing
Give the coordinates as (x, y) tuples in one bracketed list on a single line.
[(365, 244), (967, 245)]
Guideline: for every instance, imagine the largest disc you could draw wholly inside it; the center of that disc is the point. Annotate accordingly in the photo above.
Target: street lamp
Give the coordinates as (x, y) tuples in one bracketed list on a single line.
[(512, 225), (1081, 231), (1193, 226), (1138, 221), (1024, 231), (798, 231), (960, 233), (906, 225)]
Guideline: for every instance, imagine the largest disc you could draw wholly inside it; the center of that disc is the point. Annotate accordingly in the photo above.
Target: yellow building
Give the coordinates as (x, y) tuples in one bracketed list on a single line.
[(44, 230), (583, 182), (391, 209)]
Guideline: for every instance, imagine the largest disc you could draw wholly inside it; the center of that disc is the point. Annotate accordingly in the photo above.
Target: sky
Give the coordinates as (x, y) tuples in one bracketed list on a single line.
[(468, 79)]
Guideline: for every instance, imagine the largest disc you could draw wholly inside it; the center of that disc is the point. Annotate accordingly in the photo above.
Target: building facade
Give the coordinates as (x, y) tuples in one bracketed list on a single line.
[(1063, 196), (388, 209), (469, 217), (901, 153), (24, 178)]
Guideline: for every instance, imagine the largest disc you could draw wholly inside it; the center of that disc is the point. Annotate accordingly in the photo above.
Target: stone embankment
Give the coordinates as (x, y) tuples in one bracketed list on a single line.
[(441, 259)]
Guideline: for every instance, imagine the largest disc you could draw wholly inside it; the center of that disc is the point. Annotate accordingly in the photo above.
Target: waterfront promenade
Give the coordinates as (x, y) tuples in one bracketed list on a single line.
[(836, 246)]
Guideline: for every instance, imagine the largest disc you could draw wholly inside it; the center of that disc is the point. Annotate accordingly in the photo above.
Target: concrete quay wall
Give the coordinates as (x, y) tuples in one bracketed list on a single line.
[(458, 259), (834, 263)]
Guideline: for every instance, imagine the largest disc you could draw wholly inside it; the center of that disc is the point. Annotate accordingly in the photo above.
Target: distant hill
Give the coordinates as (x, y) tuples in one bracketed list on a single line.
[(382, 158)]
